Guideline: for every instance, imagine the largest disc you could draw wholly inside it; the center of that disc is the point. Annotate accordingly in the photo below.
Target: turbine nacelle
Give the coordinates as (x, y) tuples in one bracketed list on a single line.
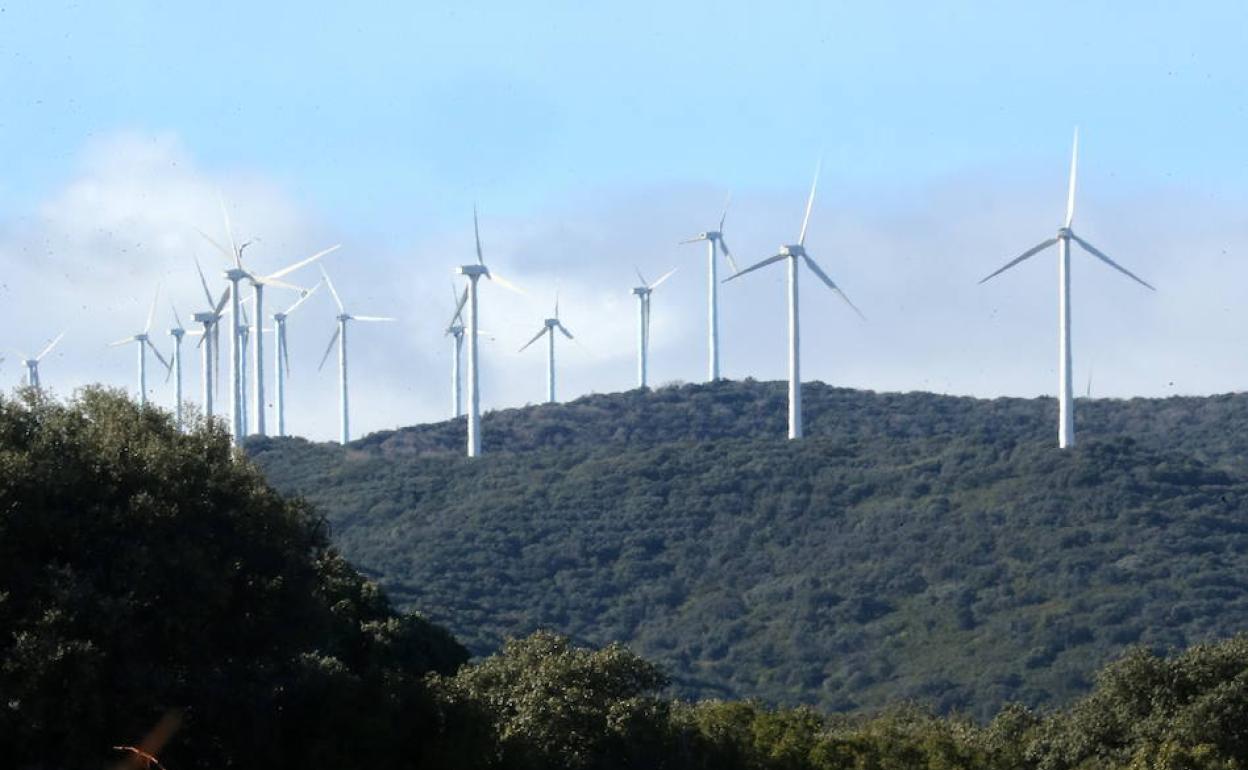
[(473, 271), (1065, 232), (552, 323), (794, 250), (204, 318), (177, 332), (642, 291), (236, 274), (279, 317)]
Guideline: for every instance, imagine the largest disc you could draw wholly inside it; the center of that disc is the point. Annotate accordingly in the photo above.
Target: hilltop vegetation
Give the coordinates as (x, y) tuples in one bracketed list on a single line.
[(913, 547), (156, 592)]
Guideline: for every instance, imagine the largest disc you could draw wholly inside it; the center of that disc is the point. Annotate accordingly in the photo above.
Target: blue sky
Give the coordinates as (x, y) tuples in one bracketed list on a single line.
[(589, 131)]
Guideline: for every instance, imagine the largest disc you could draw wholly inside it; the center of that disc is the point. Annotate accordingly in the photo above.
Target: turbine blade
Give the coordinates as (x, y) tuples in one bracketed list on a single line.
[(126, 341), (303, 298), (810, 203), (286, 358), (156, 353), (641, 277), (724, 216), (566, 333), (1101, 256), (694, 239), (235, 253), (279, 284), (372, 318), (329, 348), (176, 317), (1070, 192), (556, 305), (754, 267), (814, 268), (727, 254), (292, 268), (459, 307), (476, 231), (506, 284), (332, 290), (1034, 250), (536, 337), (151, 313), (203, 281), (666, 275), (224, 252), (225, 297), (49, 347)]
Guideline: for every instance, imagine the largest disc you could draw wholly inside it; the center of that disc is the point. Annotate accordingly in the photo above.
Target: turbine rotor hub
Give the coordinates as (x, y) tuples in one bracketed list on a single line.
[(473, 271)]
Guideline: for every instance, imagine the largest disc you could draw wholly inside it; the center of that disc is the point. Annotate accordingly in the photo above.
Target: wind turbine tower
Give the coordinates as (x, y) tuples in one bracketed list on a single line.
[(340, 336), (794, 253), (473, 273), (642, 293), (714, 240), (282, 359), (550, 325), (1065, 395)]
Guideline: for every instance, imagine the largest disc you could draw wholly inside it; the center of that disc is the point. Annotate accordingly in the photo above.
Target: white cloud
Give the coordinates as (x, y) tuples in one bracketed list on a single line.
[(89, 258)]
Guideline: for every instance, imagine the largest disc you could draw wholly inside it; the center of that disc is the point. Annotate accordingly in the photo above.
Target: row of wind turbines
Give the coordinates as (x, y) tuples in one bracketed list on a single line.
[(464, 329)]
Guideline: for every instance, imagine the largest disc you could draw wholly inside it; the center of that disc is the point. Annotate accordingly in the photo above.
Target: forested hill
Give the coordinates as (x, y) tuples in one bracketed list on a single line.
[(1203, 426), (914, 546)]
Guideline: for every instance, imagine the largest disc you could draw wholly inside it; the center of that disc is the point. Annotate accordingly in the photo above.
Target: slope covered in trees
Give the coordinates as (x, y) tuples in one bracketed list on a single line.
[(913, 547)]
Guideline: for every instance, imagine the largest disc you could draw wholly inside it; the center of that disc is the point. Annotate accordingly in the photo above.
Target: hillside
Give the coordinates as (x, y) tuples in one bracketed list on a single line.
[(915, 546)]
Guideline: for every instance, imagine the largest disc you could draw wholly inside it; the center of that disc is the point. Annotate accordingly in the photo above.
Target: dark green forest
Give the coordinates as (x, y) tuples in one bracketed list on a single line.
[(914, 547), (158, 595)]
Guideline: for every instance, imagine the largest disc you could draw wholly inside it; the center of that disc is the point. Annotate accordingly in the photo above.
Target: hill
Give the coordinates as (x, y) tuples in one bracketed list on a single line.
[(914, 546)]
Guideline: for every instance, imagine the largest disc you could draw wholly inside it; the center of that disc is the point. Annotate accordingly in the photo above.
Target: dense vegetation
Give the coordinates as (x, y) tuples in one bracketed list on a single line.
[(156, 592), (147, 578), (914, 547)]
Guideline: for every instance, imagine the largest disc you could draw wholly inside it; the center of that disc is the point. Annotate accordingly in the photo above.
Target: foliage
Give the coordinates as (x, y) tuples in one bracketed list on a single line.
[(913, 548), (144, 571)]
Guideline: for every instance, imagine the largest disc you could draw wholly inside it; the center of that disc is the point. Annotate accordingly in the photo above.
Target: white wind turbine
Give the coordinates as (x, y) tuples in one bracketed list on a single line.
[(548, 328), (473, 273), (1065, 397), (235, 275), (642, 293), (714, 240), (177, 332), (793, 253), (32, 364), (144, 343), (210, 339), (340, 336), (282, 360)]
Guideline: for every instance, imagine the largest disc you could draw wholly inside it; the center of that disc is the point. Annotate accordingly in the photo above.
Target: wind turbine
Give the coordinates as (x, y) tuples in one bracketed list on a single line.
[(32, 364), (642, 293), (144, 342), (209, 343), (548, 328), (1065, 397), (234, 275), (793, 253), (474, 273), (714, 239), (340, 336), (282, 361), (177, 332)]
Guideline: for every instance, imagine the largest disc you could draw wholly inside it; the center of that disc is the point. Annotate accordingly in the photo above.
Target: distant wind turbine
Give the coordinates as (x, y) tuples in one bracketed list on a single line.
[(177, 332), (234, 275), (455, 330), (642, 293), (1065, 397), (548, 328), (714, 240), (144, 343), (340, 336), (32, 364), (473, 273), (210, 339), (793, 253), (282, 362)]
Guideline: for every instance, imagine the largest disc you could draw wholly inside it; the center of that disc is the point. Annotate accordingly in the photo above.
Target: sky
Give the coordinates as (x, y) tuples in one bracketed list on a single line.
[(593, 137)]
